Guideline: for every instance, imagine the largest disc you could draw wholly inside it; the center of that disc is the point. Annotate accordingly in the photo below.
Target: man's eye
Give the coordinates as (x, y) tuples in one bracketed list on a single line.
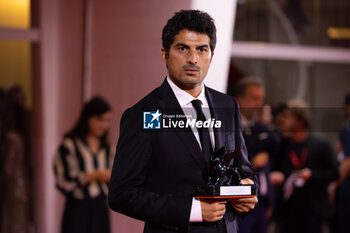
[(182, 49), (202, 50)]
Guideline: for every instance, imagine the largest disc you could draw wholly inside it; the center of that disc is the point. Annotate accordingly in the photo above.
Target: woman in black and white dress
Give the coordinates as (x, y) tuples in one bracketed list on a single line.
[(82, 169)]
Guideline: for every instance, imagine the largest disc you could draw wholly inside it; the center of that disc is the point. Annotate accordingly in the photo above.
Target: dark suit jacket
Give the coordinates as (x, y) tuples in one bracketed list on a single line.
[(156, 172)]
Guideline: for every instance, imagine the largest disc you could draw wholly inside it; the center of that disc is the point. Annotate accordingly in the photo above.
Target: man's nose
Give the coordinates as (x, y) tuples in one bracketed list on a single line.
[(192, 57)]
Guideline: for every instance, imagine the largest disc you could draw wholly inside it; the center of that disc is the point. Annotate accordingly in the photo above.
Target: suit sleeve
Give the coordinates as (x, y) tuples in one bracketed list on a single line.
[(128, 193), (329, 171), (242, 161), (67, 173)]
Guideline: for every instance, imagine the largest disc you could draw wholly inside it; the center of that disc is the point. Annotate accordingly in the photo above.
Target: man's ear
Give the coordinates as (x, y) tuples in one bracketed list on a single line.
[(165, 56)]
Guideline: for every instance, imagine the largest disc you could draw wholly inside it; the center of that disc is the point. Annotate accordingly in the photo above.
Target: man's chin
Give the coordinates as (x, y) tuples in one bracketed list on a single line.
[(192, 80), (188, 81), (190, 85)]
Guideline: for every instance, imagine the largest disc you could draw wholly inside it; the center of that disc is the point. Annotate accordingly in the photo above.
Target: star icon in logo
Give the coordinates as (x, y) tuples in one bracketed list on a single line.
[(156, 115)]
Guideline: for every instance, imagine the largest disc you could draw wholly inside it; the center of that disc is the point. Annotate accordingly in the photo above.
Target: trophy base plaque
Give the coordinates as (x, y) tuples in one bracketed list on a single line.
[(228, 192)]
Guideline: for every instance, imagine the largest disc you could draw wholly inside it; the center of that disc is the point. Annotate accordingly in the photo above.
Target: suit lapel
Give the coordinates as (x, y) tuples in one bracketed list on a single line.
[(215, 112), (170, 106)]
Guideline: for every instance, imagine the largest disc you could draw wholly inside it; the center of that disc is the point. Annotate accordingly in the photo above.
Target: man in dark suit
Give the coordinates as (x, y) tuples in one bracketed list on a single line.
[(156, 171), (250, 94)]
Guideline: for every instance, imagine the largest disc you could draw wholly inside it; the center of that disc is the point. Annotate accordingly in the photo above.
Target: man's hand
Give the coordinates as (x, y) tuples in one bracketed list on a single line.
[(102, 176), (213, 210), (247, 181), (305, 174), (276, 178), (244, 204), (91, 177), (260, 160)]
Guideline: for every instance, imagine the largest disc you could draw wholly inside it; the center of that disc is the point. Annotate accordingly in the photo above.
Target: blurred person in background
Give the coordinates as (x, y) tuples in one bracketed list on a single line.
[(266, 117), (280, 126), (282, 121), (20, 117), (340, 189), (82, 169), (309, 166), (250, 94), (16, 206), (281, 130)]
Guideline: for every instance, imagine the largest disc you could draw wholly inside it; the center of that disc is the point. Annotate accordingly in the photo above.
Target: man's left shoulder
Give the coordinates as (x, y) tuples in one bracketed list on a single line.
[(319, 142)]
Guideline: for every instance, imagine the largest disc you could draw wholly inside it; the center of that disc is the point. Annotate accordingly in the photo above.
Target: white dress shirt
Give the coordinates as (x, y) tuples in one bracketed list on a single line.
[(184, 100)]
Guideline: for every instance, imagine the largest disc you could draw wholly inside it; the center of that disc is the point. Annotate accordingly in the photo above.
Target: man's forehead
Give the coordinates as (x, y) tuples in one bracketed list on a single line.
[(255, 89), (189, 37)]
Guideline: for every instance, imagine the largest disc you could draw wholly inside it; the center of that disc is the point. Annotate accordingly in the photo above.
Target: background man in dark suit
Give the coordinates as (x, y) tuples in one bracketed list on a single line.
[(156, 171), (250, 94)]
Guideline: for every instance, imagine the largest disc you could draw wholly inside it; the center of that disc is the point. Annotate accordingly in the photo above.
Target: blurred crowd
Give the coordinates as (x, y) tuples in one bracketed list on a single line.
[(16, 199), (81, 166), (304, 183)]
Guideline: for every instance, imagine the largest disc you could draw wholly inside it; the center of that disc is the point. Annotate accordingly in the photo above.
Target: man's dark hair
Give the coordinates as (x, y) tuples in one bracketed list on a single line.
[(192, 20), (280, 109), (241, 87)]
